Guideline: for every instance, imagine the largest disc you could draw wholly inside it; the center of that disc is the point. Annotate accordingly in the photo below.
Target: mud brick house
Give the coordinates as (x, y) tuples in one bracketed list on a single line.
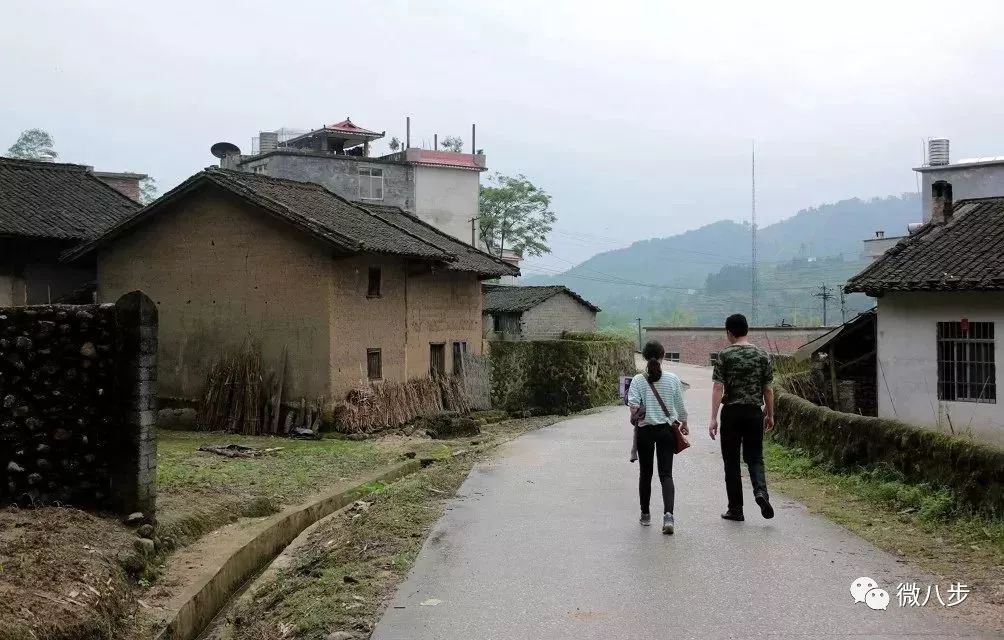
[(940, 306), (349, 293), (45, 209), (535, 313), (701, 345)]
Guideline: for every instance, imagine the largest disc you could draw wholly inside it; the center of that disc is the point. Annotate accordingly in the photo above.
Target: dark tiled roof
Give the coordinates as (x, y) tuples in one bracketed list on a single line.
[(964, 254), (468, 258), (511, 299), (57, 201), (314, 210)]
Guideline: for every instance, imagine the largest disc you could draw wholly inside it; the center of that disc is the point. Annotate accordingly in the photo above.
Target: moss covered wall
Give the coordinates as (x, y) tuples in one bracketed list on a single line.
[(975, 472), (557, 376)]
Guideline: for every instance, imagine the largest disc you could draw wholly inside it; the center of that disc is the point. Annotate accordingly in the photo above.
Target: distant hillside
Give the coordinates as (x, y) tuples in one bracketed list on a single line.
[(684, 261)]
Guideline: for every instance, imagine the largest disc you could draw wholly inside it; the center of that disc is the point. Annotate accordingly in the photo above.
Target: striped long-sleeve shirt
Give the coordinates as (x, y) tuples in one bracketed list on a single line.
[(671, 390)]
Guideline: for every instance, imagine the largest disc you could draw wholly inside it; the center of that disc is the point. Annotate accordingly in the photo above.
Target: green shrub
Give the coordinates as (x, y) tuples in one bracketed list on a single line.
[(940, 470), (557, 376)]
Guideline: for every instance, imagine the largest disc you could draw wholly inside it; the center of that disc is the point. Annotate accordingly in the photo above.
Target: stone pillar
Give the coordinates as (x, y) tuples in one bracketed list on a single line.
[(134, 481)]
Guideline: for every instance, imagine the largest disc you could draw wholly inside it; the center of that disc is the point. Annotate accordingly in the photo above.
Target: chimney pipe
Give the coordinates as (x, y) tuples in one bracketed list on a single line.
[(407, 133), (941, 202), (435, 141), (474, 139)]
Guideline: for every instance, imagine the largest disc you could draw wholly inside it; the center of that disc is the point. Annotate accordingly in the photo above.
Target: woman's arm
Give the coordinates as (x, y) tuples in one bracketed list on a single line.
[(634, 393), (681, 408)]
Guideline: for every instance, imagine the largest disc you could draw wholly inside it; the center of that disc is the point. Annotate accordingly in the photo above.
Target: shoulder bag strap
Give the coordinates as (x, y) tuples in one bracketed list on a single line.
[(658, 397)]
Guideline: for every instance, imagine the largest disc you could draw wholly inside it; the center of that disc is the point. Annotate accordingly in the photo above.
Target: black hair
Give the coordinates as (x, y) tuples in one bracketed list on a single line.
[(654, 353), (736, 325)]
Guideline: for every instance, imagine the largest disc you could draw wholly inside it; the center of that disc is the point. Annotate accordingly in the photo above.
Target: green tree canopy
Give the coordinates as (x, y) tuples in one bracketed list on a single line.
[(452, 143), (515, 214), (147, 190), (33, 144)]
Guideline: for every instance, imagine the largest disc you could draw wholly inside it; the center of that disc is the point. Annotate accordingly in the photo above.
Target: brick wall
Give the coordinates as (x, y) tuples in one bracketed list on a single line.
[(560, 313), (78, 395), (695, 345)]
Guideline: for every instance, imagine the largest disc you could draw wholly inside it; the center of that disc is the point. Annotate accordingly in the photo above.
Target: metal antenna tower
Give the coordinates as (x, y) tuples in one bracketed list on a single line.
[(753, 264)]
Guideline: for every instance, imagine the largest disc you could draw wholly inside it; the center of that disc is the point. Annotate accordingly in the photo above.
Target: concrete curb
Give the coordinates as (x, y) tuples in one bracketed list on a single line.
[(201, 601)]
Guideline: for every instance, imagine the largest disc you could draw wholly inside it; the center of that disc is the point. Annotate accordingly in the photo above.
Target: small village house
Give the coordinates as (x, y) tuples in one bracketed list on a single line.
[(535, 313), (701, 345), (350, 294), (45, 209), (940, 298)]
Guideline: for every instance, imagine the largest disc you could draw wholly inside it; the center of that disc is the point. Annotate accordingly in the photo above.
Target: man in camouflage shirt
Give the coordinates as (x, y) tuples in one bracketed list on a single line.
[(742, 377)]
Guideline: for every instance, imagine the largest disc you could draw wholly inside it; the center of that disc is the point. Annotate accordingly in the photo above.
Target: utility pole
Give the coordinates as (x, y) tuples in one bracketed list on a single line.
[(639, 334), (473, 238), (753, 265), (843, 304), (825, 293)]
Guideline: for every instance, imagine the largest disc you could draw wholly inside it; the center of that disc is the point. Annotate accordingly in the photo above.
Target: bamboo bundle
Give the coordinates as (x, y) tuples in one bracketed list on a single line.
[(240, 396)]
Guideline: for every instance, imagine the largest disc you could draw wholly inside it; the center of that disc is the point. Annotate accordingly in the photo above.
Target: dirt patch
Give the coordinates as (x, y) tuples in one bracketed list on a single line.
[(60, 577)]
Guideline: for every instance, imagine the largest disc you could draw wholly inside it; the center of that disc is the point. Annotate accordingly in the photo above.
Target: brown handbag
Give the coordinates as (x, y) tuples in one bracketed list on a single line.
[(681, 440)]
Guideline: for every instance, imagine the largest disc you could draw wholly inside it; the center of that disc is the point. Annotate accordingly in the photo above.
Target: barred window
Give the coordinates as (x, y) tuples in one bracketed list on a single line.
[(966, 371), (672, 356)]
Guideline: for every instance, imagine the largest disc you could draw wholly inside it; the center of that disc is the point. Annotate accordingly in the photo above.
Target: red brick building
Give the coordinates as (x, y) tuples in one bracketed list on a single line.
[(699, 345)]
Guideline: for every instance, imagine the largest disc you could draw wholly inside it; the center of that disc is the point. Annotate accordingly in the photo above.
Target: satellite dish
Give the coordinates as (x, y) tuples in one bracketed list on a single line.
[(223, 149)]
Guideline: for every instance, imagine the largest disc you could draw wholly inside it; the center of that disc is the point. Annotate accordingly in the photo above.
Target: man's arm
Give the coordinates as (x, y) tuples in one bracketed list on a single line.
[(768, 407), (717, 393)]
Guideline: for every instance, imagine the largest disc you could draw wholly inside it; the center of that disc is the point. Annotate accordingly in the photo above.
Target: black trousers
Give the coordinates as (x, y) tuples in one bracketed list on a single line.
[(651, 439), (742, 429)]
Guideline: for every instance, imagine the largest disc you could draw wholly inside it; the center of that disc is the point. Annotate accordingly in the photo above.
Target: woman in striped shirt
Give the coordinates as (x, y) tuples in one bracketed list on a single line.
[(654, 433)]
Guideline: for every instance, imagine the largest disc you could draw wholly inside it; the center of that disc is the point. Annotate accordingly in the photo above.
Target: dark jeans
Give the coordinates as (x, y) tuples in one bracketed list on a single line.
[(650, 439), (742, 428)]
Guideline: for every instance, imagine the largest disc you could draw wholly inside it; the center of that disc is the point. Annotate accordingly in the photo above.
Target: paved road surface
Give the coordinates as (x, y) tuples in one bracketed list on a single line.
[(543, 543)]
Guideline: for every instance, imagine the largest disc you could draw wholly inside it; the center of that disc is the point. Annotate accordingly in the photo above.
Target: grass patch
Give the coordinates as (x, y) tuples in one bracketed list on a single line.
[(920, 522), (199, 492)]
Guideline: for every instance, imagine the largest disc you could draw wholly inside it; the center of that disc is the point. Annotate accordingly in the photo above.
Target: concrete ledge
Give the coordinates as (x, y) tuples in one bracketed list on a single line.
[(197, 605)]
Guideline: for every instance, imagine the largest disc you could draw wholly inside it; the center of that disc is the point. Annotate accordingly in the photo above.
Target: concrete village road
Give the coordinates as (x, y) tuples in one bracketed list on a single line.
[(543, 542)]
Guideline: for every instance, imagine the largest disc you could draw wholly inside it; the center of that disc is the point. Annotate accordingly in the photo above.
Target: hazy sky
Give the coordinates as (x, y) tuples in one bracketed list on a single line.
[(637, 116)]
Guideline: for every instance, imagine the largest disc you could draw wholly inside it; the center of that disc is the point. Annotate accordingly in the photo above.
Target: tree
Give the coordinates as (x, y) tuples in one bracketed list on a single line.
[(395, 144), (515, 214), (147, 190), (33, 144), (452, 143)]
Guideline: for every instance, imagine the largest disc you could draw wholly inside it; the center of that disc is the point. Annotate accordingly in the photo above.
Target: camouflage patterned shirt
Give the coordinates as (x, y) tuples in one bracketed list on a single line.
[(744, 370)]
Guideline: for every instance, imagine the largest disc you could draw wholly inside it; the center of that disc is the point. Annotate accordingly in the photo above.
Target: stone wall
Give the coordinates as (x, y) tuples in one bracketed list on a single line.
[(78, 396)]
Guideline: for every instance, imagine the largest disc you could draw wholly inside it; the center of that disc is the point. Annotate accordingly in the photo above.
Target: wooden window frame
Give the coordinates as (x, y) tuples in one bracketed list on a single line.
[(378, 272), (379, 364)]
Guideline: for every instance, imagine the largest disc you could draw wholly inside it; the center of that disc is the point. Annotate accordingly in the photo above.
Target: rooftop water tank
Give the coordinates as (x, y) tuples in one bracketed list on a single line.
[(937, 152)]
